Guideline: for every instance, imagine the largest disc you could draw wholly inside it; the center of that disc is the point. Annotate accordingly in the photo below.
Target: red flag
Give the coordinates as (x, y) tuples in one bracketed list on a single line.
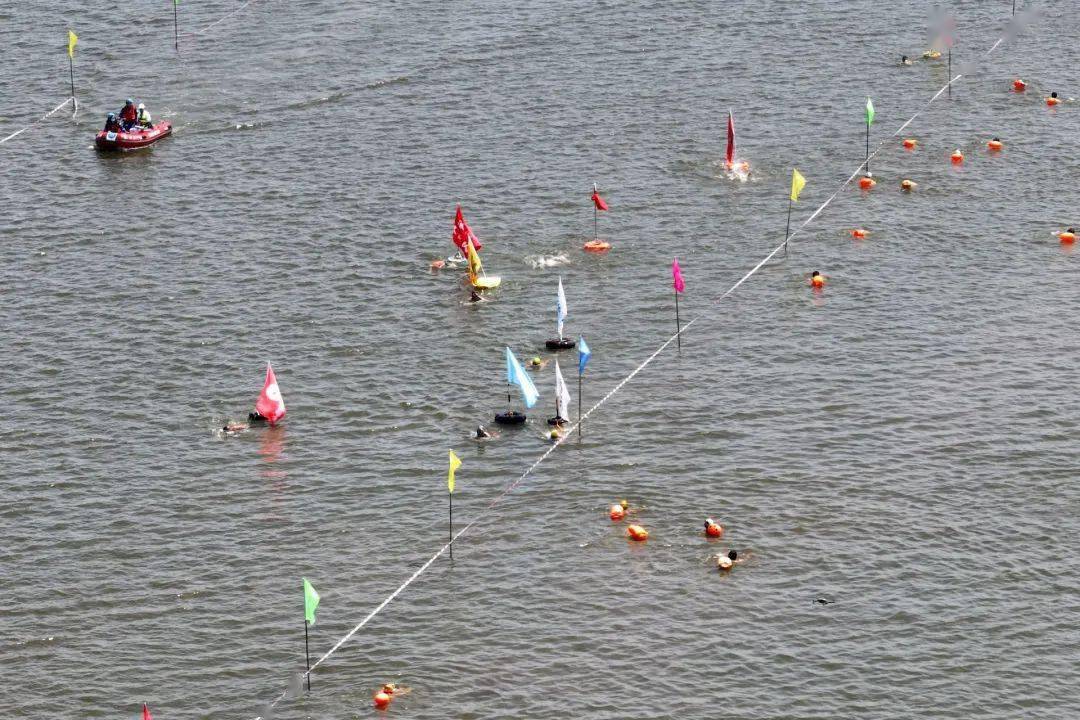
[(598, 201), (730, 157), (676, 273), (270, 405), (463, 234), (146, 713)]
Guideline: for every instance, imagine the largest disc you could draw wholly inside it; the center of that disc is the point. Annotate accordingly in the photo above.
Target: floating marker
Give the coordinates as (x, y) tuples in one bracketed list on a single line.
[(1019, 85), (957, 157), (1068, 237), (910, 143), (859, 233), (994, 145), (637, 533), (867, 182)]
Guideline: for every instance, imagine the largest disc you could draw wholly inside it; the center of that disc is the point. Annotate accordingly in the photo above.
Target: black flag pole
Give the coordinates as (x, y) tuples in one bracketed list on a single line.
[(678, 322), (579, 423), (950, 70), (787, 231), (71, 70), (451, 543), (176, 25), (867, 151), (307, 655)]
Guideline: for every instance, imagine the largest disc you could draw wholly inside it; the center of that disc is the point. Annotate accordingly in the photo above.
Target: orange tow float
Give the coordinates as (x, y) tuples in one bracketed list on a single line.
[(638, 533), (596, 246), (1019, 85), (859, 233), (817, 280), (1068, 237), (995, 145), (712, 529), (382, 700), (910, 143), (1053, 100), (617, 513), (867, 182), (957, 157)]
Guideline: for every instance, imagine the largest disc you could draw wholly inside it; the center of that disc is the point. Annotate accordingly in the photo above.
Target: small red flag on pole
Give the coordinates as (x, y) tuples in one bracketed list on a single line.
[(598, 201), (146, 713)]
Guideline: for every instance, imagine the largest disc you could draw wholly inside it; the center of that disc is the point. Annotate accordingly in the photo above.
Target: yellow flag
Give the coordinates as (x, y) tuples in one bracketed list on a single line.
[(72, 40), (798, 182), (474, 260), (455, 463)]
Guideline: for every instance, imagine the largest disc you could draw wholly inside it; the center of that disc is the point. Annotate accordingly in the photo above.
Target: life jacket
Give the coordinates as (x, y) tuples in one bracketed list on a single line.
[(144, 117), (129, 113)]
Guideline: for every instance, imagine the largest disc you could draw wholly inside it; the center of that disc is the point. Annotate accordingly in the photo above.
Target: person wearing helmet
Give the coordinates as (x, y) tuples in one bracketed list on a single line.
[(144, 117), (129, 115), (112, 124)]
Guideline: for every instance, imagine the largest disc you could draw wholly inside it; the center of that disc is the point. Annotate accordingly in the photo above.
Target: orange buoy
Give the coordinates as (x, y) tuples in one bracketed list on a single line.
[(382, 700), (859, 233), (995, 145), (1019, 85), (957, 157), (910, 143), (1053, 100), (617, 513), (908, 185), (712, 529), (636, 532), (597, 246), (866, 182), (1068, 237)]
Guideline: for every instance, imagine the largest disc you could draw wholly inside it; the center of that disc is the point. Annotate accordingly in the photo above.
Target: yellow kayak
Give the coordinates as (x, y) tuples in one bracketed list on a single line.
[(487, 282)]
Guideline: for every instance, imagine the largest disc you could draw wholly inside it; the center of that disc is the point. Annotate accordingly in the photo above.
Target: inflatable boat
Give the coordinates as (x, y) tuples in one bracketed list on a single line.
[(133, 139)]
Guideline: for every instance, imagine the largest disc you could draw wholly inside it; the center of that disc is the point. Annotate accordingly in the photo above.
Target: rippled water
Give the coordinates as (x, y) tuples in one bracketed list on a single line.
[(902, 444)]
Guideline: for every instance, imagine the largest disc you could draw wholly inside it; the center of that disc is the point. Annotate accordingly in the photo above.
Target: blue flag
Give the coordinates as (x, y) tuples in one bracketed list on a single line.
[(583, 355), (516, 375)]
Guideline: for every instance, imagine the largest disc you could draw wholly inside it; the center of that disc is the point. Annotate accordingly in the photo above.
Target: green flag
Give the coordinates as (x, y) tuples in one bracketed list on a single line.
[(311, 602), (869, 112)]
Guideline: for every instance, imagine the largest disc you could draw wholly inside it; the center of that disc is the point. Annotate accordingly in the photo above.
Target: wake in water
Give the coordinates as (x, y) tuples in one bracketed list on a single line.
[(545, 261)]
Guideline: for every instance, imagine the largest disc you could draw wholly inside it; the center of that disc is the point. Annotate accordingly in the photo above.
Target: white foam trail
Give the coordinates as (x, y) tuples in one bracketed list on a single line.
[(622, 383), (44, 117)]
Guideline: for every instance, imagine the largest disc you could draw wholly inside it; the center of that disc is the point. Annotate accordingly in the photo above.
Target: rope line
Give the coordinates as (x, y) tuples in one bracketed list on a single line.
[(576, 425), (44, 117), (220, 20)]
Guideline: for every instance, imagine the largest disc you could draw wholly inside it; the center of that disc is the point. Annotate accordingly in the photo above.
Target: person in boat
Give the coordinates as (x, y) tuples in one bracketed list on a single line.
[(905, 60), (129, 114), (112, 124), (144, 117)]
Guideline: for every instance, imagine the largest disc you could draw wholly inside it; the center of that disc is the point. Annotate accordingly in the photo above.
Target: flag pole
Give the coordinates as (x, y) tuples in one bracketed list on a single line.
[(71, 70), (579, 423), (451, 543), (678, 323), (176, 25), (307, 655), (950, 71), (867, 148), (787, 231)]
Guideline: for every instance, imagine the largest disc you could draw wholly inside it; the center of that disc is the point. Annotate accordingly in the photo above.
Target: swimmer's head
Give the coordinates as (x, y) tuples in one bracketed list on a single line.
[(1053, 94), (1070, 230), (996, 139), (814, 274), (535, 361), (708, 522), (554, 434), (903, 58), (623, 504), (732, 555)]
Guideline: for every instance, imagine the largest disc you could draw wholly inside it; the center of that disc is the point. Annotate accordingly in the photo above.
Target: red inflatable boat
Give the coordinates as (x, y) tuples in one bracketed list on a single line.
[(134, 138)]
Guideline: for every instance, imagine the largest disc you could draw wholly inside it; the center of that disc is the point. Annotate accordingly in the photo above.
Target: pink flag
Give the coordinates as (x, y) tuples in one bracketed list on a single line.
[(270, 405), (463, 234), (146, 713), (676, 272)]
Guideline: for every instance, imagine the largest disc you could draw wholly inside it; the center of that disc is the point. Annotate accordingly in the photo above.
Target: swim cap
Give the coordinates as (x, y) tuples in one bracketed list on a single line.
[(112, 116), (130, 102), (141, 106)]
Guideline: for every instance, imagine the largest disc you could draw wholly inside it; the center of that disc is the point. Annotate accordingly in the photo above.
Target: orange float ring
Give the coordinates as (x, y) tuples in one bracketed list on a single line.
[(1052, 101), (1067, 238), (866, 182), (636, 532), (859, 233), (995, 145), (616, 513), (957, 157), (381, 700), (597, 246), (1019, 85), (910, 143)]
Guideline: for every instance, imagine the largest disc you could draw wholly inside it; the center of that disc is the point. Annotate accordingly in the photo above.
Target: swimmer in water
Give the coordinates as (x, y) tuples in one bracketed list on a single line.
[(932, 54), (437, 265), (537, 364), (556, 434), (726, 562), (905, 60), (474, 297), (482, 433), (256, 419), (232, 428), (817, 280)]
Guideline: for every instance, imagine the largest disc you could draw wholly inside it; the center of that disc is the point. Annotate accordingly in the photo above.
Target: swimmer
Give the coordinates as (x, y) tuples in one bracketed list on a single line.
[(437, 265), (908, 185), (726, 562), (395, 690), (232, 428), (932, 55), (817, 280), (1053, 99), (556, 434), (474, 297), (256, 419), (482, 433), (905, 60), (537, 363)]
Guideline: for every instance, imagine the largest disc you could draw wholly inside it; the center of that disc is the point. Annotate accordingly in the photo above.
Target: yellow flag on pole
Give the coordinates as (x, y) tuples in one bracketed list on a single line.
[(73, 39), (455, 463), (798, 182)]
